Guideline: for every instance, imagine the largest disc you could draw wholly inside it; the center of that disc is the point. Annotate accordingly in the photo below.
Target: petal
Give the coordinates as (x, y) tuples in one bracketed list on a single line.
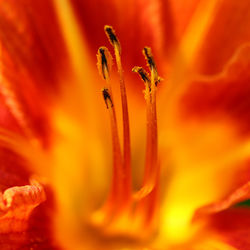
[(25, 218), (205, 137), (182, 12), (231, 228), (227, 32), (25, 212), (17, 97), (16, 205), (225, 95), (240, 194), (7, 120), (33, 42), (129, 19), (227, 230), (33, 56), (12, 169)]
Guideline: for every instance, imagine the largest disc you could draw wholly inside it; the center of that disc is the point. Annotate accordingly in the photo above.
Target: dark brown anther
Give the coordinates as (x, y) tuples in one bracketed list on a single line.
[(142, 73), (107, 98), (149, 57), (104, 62), (112, 37)]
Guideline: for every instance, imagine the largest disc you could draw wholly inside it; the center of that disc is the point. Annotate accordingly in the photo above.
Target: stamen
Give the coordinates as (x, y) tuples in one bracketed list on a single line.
[(104, 62), (126, 131), (148, 194), (120, 205), (152, 171), (147, 187), (151, 144), (116, 195), (104, 59)]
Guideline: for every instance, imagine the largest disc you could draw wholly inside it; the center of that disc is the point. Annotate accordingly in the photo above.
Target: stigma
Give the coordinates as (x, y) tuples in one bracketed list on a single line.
[(134, 208)]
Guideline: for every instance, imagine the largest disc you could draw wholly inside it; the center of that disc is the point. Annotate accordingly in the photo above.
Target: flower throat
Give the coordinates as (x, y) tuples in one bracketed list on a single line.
[(126, 210)]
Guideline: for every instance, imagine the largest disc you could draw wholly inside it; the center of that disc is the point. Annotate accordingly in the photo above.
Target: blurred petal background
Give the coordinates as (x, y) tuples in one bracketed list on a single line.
[(51, 102)]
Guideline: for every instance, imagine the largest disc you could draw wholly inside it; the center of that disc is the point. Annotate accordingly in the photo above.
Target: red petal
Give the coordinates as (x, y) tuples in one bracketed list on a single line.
[(7, 120), (33, 59), (232, 226), (33, 42), (25, 216), (13, 170), (229, 30), (225, 95), (137, 24)]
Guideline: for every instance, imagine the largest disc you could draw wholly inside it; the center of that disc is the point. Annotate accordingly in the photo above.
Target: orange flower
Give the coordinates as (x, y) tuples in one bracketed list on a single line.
[(60, 187)]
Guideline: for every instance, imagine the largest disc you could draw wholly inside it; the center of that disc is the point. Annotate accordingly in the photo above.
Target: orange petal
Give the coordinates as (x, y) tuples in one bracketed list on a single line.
[(230, 227), (182, 13), (225, 95), (16, 205)]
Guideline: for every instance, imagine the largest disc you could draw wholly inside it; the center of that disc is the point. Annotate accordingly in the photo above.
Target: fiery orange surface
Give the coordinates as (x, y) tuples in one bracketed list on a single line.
[(159, 165)]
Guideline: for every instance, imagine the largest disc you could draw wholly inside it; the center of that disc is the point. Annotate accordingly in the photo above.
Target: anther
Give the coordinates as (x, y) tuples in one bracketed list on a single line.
[(142, 73), (150, 60), (107, 98), (112, 37), (104, 62), (149, 57), (151, 64)]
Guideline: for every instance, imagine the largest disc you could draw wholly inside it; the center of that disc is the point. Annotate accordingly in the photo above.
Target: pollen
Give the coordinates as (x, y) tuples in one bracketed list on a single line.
[(142, 73), (110, 32), (107, 98), (104, 62), (147, 52), (149, 58)]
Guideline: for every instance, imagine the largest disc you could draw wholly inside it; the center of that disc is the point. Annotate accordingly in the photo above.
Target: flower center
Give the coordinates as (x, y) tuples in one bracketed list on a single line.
[(125, 210)]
